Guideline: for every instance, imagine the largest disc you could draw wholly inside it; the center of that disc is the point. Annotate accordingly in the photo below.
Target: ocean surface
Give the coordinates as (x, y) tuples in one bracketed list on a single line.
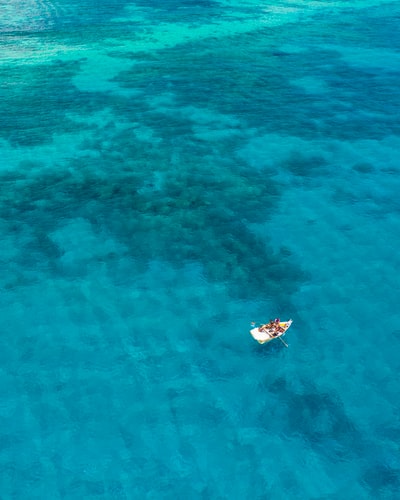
[(171, 171)]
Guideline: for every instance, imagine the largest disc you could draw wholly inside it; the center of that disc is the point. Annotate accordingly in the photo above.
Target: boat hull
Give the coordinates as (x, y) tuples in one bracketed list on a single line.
[(265, 336)]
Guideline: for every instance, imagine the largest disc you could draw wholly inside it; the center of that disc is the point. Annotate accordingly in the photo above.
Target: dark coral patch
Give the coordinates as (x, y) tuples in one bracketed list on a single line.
[(190, 216), (37, 100)]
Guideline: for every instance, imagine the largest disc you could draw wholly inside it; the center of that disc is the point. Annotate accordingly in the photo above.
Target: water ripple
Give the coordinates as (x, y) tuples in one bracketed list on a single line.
[(29, 16)]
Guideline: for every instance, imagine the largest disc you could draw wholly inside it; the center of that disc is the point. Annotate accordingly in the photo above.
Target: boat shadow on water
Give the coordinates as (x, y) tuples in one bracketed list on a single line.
[(273, 348)]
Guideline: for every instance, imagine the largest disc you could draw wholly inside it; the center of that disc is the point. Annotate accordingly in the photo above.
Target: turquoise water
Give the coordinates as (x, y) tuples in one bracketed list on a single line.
[(171, 171)]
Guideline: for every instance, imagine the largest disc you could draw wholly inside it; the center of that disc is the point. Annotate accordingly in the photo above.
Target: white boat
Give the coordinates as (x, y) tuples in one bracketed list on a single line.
[(270, 331)]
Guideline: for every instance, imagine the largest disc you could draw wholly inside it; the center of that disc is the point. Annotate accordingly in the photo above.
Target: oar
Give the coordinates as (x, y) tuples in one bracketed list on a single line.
[(283, 342)]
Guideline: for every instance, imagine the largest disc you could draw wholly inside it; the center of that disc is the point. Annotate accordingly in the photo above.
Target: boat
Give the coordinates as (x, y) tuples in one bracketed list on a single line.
[(270, 331)]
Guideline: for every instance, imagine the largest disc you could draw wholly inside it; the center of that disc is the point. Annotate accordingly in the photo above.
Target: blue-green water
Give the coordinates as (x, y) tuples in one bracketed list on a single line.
[(171, 171)]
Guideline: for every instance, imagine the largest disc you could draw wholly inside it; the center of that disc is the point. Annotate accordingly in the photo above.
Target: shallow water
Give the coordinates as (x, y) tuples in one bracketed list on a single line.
[(172, 171)]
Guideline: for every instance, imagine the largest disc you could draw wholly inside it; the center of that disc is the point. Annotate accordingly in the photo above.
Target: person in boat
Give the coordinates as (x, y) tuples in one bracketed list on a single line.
[(270, 325), (266, 327), (277, 327), (274, 328)]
